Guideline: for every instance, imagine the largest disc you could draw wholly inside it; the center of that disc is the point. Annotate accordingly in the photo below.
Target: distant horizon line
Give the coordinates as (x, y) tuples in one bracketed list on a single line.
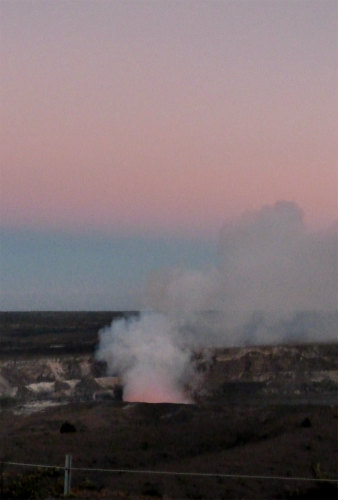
[(134, 310)]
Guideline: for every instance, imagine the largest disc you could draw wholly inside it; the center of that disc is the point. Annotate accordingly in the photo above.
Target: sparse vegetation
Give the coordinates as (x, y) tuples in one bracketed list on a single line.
[(37, 484)]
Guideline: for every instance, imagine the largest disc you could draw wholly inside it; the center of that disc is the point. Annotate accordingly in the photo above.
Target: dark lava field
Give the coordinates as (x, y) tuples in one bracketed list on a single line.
[(267, 411)]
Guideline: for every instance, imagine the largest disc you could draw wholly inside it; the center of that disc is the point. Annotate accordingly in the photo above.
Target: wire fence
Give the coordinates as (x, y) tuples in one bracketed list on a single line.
[(68, 468), (55, 472), (174, 473)]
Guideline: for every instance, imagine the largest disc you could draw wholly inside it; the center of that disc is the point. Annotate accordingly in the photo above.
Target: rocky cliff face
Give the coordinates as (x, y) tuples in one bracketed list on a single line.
[(307, 373), (54, 379)]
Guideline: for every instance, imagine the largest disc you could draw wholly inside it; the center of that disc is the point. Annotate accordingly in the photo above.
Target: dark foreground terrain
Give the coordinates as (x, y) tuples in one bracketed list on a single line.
[(264, 411), (291, 441)]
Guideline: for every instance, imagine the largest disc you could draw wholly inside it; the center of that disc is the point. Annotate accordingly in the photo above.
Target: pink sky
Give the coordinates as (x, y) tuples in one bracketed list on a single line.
[(144, 116)]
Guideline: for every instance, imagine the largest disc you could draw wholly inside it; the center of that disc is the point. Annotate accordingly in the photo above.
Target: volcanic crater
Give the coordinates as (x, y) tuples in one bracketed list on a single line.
[(259, 411)]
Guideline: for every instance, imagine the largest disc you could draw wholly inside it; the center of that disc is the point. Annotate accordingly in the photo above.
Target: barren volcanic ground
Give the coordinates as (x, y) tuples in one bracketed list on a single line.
[(264, 411)]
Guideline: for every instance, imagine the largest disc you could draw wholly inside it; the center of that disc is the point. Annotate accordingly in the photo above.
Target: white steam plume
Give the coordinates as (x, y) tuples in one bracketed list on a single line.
[(275, 281), (148, 355)]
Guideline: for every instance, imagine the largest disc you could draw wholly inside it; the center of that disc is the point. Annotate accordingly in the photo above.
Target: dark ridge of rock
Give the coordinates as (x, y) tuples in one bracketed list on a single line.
[(118, 392), (99, 368), (306, 423), (67, 427), (86, 388), (24, 394), (60, 386), (104, 396)]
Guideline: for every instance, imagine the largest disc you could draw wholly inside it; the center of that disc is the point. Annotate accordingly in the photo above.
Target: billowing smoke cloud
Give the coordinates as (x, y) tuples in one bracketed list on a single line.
[(271, 262), (149, 355), (275, 281)]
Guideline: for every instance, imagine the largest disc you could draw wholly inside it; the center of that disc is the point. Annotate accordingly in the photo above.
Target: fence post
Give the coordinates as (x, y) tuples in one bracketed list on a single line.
[(68, 475), (2, 467)]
